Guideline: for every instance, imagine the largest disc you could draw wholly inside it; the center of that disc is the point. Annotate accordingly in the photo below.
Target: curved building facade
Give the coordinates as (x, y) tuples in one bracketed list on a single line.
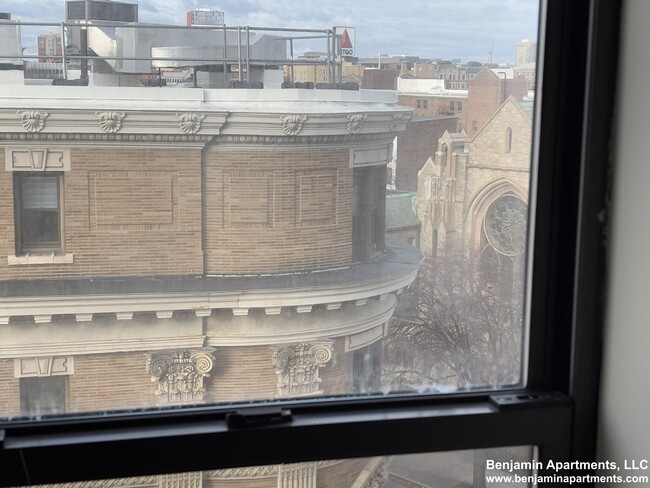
[(171, 247)]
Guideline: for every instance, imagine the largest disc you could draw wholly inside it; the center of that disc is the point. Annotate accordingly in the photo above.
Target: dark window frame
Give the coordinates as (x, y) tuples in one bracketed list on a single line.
[(20, 216), (558, 409)]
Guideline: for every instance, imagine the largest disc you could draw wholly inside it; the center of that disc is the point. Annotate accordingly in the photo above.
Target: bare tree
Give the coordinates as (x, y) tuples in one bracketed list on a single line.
[(458, 326)]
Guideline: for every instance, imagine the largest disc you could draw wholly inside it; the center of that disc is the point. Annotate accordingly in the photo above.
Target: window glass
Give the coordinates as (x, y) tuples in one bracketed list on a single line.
[(203, 218), (506, 466)]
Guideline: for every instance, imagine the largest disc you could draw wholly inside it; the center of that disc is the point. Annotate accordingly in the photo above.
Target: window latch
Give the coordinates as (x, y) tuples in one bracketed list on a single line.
[(514, 401), (257, 417)]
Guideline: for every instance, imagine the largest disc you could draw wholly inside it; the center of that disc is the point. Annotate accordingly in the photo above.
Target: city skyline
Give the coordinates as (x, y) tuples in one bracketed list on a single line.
[(443, 29)]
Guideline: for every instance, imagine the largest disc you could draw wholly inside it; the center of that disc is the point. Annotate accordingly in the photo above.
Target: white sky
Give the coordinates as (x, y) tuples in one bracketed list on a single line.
[(465, 29)]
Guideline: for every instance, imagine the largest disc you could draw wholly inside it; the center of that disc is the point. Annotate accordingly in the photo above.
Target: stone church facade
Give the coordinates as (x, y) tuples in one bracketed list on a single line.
[(474, 193)]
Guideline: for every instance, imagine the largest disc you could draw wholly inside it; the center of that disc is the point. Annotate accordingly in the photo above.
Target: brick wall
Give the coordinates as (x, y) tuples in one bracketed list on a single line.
[(127, 211), (9, 389), (241, 373), (110, 382), (417, 144), (247, 373), (337, 374), (277, 210)]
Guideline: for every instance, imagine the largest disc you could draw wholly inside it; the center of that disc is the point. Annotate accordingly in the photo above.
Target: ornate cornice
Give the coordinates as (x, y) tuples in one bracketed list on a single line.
[(32, 120), (110, 122), (298, 140), (395, 123), (292, 124), (396, 269), (102, 138), (190, 123), (355, 122)]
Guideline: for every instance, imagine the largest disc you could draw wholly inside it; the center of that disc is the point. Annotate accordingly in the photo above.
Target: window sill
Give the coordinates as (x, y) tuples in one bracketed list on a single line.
[(51, 258)]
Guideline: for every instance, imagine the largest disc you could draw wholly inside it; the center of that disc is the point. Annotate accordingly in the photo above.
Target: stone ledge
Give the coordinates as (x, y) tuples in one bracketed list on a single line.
[(33, 259)]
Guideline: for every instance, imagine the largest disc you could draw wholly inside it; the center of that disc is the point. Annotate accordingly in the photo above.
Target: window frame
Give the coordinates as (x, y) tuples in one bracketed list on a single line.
[(556, 411), (21, 247)]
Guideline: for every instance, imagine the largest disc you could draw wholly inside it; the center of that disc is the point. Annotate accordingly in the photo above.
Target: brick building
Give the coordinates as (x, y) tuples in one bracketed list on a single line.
[(474, 191), (487, 92), (176, 247), (417, 144), (430, 97), (49, 48)]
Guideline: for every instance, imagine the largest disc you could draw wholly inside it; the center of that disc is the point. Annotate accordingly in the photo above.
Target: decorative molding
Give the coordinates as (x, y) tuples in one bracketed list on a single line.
[(243, 473), (364, 338), (302, 140), (297, 475), (379, 475), (103, 138), (190, 123), (370, 156), (355, 121), (180, 375), (252, 472), (292, 124), (140, 481), (395, 122), (297, 367), (110, 122), (181, 480), (43, 366), (32, 120), (37, 159), (96, 346)]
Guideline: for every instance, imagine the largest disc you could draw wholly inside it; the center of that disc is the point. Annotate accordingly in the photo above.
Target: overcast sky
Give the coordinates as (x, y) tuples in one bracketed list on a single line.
[(465, 29)]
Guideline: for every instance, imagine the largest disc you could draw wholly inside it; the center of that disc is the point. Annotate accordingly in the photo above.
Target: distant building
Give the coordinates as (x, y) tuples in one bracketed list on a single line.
[(402, 223), (417, 144), (525, 52), (527, 72), (49, 48), (474, 184), (487, 92), (379, 79), (431, 97), (205, 16)]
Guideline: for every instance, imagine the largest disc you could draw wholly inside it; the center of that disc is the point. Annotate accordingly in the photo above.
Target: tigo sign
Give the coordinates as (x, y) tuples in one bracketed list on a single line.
[(348, 39)]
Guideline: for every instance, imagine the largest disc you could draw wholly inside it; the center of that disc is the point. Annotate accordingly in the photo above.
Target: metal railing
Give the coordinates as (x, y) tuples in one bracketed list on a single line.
[(333, 59)]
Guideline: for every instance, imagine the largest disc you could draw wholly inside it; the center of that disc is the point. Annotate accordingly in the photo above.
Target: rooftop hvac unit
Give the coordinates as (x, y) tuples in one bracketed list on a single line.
[(102, 10)]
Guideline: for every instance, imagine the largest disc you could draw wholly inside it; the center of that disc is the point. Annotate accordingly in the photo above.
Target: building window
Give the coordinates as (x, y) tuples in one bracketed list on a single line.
[(474, 125), (366, 368), (459, 105), (508, 140), (451, 105), (368, 212), (418, 104), (425, 103), (38, 212), (43, 396)]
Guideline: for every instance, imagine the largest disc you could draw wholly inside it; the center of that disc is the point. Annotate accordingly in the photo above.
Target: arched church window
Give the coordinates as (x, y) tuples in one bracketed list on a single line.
[(503, 243)]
